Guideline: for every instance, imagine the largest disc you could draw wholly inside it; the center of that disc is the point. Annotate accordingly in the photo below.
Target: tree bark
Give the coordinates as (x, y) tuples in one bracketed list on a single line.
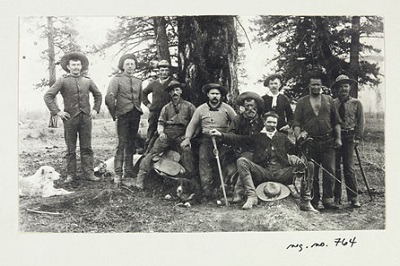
[(161, 38), (354, 53), (51, 53)]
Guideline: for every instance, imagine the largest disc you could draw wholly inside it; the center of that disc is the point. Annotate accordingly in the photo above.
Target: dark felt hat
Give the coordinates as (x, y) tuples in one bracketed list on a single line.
[(341, 79), (174, 84), (272, 77), (250, 95), (206, 88), (271, 191), (65, 60), (123, 58)]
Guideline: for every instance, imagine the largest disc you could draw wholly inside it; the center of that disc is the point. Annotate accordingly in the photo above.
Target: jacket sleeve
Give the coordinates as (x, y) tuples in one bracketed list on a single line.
[(111, 97), (98, 98), (288, 112), (236, 140), (359, 128), (146, 92), (50, 97), (297, 116)]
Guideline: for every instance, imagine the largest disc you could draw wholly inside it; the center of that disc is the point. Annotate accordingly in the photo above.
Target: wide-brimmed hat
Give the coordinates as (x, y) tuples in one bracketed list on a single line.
[(341, 79), (272, 77), (123, 58), (271, 191), (65, 60), (163, 63), (250, 95), (206, 88), (174, 84)]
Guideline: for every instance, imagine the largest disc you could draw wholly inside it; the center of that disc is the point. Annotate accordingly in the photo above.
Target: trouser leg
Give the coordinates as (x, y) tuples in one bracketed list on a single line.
[(307, 183), (348, 169), (133, 127), (206, 165), (328, 163), (70, 137), (151, 130), (338, 174), (85, 142)]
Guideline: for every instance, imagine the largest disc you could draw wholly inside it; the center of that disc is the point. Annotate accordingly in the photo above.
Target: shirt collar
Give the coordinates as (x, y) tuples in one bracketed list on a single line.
[(269, 134)]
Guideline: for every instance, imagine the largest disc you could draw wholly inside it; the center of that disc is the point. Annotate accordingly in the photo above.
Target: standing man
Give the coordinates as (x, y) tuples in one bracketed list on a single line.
[(213, 114), (316, 115), (174, 118), (159, 98), (277, 102), (271, 162), (352, 115), (123, 98), (77, 115)]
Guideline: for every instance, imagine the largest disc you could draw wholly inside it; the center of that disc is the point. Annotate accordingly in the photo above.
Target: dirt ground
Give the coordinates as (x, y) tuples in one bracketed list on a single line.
[(97, 207)]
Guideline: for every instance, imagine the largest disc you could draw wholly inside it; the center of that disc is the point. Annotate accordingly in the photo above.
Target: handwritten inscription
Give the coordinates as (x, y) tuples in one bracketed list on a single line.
[(337, 242)]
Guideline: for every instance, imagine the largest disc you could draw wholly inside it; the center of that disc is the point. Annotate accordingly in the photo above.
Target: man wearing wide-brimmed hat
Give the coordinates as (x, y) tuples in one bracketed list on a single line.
[(159, 98), (316, 115), (77, 115), (174, 118), (214, 114), (273, 160), (352, 115), (123, 99), (248, 122), (276, 101)]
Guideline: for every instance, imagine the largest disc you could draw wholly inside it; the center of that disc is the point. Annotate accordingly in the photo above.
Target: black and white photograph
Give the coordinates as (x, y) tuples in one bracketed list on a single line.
[(220, 129)]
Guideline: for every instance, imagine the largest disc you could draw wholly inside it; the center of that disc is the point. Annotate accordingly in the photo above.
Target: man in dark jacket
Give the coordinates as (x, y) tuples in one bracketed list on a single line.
[(159, 98), (77, 115), (271, 162), (123, 99)]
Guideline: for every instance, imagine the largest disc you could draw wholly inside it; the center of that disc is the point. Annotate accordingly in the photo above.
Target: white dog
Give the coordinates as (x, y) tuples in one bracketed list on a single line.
[(41, 183)]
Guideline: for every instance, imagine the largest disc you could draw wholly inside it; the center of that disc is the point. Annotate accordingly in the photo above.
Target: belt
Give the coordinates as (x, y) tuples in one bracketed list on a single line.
[(350, 130), (322, 137)]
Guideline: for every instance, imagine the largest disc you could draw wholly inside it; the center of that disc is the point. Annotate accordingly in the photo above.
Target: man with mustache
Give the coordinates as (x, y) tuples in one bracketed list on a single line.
[(123, 99), (172, 123), (77, 115), (316, 116), (159, 98), (272, 161), (213, 114)]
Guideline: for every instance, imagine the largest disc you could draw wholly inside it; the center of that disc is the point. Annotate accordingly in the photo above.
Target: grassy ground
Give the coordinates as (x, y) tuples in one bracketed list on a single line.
[(97, 207)]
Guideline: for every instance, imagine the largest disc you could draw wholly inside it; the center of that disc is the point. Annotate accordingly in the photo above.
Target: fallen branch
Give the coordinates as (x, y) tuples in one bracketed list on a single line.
[(43, 212)]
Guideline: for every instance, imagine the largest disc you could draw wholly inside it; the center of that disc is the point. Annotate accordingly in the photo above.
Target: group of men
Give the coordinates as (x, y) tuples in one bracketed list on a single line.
[(258, 133)]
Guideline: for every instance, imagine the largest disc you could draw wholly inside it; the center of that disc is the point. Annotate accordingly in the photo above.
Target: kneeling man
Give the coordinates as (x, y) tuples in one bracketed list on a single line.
[(271, 162)]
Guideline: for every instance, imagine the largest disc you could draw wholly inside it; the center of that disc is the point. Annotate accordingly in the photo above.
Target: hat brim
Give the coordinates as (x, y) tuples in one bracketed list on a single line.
[(65, 60), (250, 95), (261, 195), (206, 88), (175, 85), (123, 58), (336, 85), (271, 77)]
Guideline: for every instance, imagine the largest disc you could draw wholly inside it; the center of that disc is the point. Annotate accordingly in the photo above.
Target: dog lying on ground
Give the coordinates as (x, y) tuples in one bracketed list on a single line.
[(41, 183), (106, 168)]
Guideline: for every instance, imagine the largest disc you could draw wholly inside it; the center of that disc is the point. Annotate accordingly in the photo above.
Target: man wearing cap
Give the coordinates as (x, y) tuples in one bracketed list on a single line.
[(77, 115), (159, 98), (276, 101), (352, 115), (248, 122), (317, 116), (272, 161), (174, 118), (123, 98), (213, 114)]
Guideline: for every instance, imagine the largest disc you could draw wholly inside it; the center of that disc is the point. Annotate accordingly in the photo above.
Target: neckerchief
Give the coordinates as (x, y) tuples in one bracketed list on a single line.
[(269, 134), (274, 97)]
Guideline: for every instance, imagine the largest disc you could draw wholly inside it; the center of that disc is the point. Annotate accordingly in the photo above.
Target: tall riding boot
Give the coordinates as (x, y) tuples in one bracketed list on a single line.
[(140, 179), (118, 162), (306, 189), (128, 166), (250, 192)]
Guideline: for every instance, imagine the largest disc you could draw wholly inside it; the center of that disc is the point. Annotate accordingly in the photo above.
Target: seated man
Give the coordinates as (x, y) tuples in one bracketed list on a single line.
[(271, 162), (172, 123)]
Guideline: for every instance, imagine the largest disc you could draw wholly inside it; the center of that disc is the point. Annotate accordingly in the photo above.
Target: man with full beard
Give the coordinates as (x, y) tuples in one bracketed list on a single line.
[(213, 114)]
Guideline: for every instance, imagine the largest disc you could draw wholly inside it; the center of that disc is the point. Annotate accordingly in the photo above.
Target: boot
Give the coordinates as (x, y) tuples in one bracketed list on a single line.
[(140, 179), (238, 192), (307, 207), (250, 202)]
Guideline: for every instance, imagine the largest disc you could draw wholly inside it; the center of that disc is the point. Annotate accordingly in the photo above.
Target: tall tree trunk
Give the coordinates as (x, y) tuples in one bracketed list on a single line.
[(51, 53), (208, 52), (354, 52), (161, 38)]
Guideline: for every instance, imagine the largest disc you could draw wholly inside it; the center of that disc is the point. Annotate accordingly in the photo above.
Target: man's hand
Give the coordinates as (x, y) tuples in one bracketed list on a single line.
[(215, 132), (294, 160), (284, 128), (186, 143), (162, 135), (93, 114), (338, 143), (302, 135), (64, 115), (356, 142), (148, 105)]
